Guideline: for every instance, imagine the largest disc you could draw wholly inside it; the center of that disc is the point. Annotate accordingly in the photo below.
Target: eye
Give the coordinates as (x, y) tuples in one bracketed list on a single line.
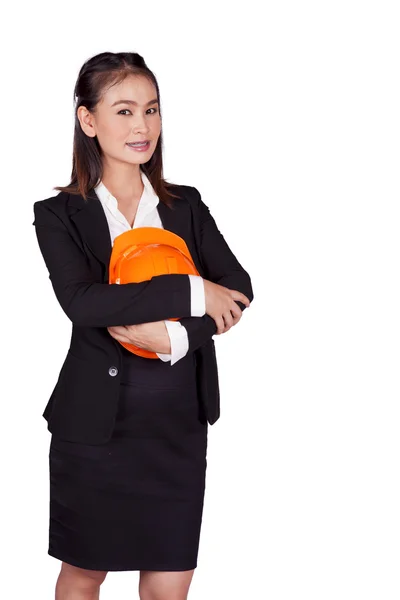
[(127, 109)]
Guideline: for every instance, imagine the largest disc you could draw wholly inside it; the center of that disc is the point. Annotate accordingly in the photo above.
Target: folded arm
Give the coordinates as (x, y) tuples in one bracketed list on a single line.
[(92, 304), (221, 266)]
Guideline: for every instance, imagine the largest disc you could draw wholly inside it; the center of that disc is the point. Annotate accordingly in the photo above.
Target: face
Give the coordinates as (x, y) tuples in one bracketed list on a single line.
[(116, 123)]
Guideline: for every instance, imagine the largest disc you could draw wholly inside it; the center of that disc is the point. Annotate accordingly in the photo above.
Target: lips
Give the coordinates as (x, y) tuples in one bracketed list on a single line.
[(139, 146)]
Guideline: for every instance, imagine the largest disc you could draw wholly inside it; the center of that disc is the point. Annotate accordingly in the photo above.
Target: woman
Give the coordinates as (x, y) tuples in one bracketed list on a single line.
[(129, 434)]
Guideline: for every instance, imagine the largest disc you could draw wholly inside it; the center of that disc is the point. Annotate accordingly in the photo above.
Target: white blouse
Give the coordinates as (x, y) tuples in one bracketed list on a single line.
[(147, 216)]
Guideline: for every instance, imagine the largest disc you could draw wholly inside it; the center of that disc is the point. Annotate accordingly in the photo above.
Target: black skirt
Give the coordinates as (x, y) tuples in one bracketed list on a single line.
[(136, 502)]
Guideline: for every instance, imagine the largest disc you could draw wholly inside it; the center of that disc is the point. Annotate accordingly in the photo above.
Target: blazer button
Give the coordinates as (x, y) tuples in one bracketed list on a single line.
[(113, 371)]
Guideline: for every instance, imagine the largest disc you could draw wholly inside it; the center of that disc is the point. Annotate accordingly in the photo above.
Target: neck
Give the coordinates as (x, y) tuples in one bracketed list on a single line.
[(124, 184)]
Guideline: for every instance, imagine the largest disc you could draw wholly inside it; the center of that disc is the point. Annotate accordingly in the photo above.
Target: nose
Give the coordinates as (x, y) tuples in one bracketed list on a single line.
[(140, 125)]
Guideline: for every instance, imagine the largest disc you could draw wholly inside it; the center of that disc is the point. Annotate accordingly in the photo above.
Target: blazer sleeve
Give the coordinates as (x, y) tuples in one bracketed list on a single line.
[(220, 265), (89, 303)]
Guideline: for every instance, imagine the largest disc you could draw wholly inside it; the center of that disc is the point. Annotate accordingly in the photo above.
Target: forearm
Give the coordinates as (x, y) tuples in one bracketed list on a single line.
[(85, 301), (105, 305)]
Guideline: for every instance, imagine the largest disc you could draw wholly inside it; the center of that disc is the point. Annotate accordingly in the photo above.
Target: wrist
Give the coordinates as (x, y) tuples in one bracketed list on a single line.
[(166, 340)]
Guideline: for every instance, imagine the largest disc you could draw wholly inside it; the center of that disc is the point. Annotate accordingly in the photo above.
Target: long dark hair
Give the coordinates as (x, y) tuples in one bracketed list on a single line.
[(96, 74)]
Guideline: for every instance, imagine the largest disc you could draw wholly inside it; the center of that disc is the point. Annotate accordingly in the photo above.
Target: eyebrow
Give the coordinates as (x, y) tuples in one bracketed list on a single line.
[(154, 101)]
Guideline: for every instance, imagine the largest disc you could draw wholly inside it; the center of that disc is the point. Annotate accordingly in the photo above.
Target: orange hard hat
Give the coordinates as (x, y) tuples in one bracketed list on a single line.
[(142, 253)]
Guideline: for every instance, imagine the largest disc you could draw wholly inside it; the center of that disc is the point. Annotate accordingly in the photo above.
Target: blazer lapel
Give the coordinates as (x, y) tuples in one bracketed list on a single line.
[(92, 226), (91, 222)]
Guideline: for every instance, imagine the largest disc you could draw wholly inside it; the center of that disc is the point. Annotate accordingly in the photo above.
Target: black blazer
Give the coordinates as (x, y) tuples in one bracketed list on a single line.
[(74, 240)]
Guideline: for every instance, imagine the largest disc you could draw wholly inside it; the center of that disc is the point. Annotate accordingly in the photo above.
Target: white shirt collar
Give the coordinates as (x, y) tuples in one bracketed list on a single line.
[(148, 200)]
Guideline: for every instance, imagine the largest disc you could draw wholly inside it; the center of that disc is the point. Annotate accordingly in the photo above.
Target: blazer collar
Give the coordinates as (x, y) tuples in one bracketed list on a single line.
[(90, 220)]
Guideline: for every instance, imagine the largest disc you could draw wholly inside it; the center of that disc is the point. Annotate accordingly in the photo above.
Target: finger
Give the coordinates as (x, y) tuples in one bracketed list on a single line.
[(121, 329), (236, 319), (220, 325), (228, 321), (119, 337), (236, 295), (236, 310), (115, 329)]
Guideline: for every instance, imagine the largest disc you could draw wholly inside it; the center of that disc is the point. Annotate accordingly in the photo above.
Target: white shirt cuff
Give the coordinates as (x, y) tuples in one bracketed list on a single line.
[(179, 342), (197, 296)]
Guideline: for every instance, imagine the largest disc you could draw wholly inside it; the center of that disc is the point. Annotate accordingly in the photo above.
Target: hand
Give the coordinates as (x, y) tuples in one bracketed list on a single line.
[(152, 336), (221, 305)]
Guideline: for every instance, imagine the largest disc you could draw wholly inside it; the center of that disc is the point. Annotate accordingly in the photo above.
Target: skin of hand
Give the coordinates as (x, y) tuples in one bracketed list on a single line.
[(221, 305), (152, 336)]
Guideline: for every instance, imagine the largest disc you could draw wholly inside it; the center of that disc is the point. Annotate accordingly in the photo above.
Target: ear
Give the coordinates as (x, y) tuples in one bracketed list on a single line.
[(86, 120)]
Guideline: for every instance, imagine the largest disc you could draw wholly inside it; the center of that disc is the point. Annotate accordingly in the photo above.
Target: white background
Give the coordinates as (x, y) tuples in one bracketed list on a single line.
[(285, 116)]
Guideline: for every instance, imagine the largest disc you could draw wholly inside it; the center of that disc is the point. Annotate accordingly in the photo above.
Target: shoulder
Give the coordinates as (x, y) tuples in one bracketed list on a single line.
[(52, 209), (53, 202), (186, 194)]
